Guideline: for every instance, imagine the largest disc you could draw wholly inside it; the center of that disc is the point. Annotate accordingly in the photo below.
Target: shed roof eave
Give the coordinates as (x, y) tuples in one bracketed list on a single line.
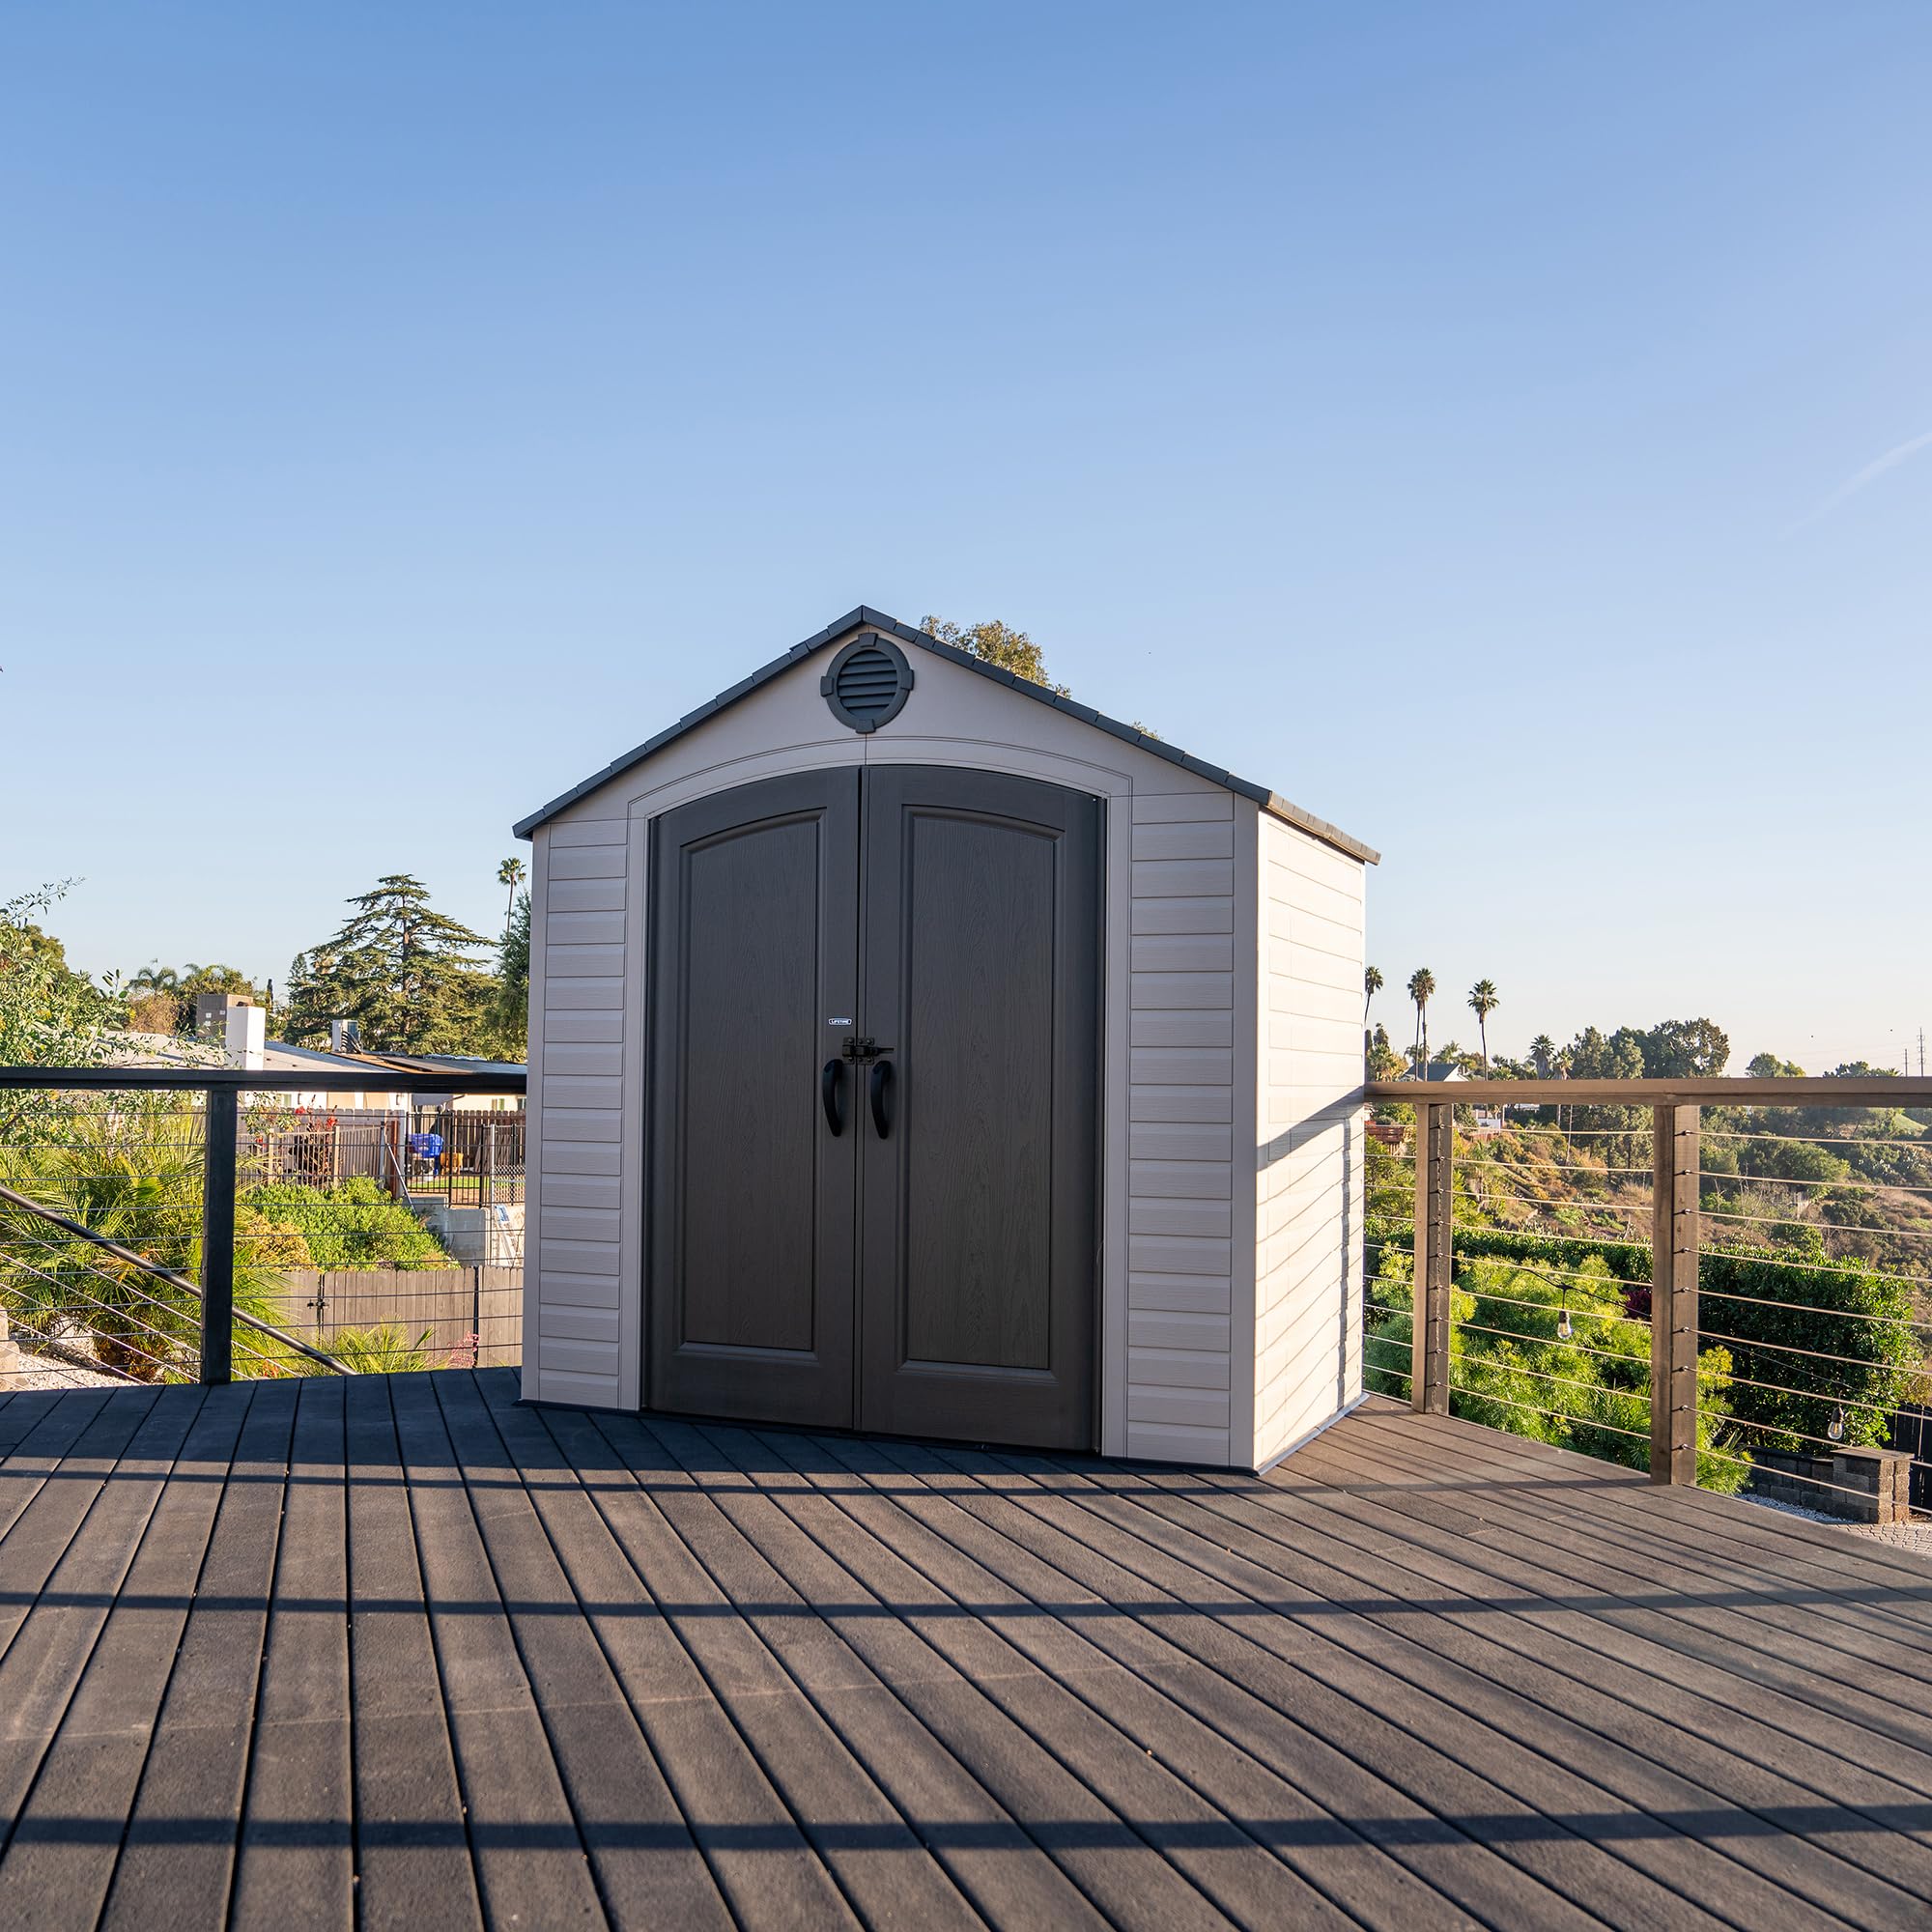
[(864, 616)]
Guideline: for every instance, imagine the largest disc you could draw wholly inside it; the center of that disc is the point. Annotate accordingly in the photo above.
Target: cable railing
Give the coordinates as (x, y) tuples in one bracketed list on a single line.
[(149, 1233), (1756, 1318)]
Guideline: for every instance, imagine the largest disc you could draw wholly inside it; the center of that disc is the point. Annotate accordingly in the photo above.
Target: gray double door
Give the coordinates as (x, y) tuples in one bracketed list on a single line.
[(874, 1091)]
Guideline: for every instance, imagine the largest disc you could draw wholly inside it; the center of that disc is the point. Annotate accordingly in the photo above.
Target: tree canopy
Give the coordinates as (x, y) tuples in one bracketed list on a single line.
[(405, 973), (50, 1015), (996, 643)]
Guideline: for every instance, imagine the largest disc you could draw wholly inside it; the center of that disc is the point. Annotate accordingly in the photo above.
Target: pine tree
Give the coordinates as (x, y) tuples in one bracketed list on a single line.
[(404, 971)]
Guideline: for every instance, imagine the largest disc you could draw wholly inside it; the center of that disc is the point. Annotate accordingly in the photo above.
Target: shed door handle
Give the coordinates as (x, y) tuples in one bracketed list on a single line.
[(881, 1093), (830, 1079)]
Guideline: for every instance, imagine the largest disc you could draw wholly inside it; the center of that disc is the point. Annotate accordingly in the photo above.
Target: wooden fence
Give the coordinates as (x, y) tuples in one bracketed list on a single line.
[(452, 1305)]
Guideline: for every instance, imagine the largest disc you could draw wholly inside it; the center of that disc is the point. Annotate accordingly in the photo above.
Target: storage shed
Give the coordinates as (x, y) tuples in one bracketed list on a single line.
[(913, 1050)]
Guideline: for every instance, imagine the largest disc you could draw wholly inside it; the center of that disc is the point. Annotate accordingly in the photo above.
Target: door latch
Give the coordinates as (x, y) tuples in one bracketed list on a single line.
[(864, 1048)]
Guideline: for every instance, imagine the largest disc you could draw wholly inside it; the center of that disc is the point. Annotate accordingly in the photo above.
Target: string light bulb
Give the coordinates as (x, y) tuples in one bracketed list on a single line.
[(1836, 1429), (1564, 1328)]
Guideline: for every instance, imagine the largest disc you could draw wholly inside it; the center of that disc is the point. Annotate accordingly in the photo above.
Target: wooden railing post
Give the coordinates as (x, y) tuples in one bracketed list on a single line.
[(1434, 1147), (218, 1233), (1673, 1295)]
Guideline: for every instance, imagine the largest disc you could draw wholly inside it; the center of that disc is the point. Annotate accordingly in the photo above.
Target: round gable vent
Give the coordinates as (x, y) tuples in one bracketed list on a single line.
[(867, 683)]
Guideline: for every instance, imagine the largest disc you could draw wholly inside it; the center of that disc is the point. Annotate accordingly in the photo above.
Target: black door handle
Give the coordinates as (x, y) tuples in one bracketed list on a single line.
[(830, 1079), (881, 1090)]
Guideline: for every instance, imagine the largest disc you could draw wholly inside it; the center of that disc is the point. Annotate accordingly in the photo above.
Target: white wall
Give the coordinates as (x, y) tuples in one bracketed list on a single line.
[(1309, 1127), (1179, 1067)]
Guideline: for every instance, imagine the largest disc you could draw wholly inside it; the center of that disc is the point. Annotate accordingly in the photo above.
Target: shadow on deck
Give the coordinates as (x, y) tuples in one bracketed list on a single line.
[(291, 1652)]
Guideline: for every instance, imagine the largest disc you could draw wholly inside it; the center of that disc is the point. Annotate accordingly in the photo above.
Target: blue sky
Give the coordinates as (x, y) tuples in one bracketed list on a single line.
[(1474, 422)]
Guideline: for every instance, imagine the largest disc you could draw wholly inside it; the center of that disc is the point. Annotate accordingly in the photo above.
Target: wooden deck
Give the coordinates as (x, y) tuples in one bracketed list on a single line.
[(398, 1652)]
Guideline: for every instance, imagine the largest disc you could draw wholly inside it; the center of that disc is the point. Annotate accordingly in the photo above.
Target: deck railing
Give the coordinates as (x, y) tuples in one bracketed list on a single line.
[(151, 1232), (1725, 1281)]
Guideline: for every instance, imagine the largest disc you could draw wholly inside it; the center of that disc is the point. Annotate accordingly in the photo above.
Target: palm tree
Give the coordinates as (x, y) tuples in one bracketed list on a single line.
[(1542, 1056), (1421, 989), (1371, 985), (1483, 1001), (510, 874)]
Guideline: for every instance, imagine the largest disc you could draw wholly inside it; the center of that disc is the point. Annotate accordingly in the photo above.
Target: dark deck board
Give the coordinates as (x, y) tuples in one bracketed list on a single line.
[(177, 1856), (61, 1855), (1633, 1613), (413, 1861), (405, 1652), (679, 1763), (1538, 1759), (1459, 1658), (1777, 1642), (976, 1843), (296, 1839), (873, 1854)]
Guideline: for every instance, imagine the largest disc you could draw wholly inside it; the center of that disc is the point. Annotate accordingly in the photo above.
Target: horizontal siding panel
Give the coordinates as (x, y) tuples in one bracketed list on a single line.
[(1181, 1103), (1191, 915), (1168, 1254), (1203, 839), (555, 1257), (586, 832), (591, 1058), (584, 928), (583, 995), (580, 1325), (580, 1157), (1181, 1217), (583, 896), (1150, 1027), (1306, 895), (578, 1223), (1183, 878), (589, 861), (577, 1023), (1207, 1447), (1179, 1140), (1302, 858), (1212, 990), (578, 1291), (565, 1356), (578, 1190), (564, 1123), (582, 962), (1167, 808), (578, 1391), (603, 1090), (1179, 1066), (1330, 999), (1188, 1293), (1319, 936), (1175, 1328), (1184, 952), (1180, 1180), (1199, 1409), (1178, 1368)]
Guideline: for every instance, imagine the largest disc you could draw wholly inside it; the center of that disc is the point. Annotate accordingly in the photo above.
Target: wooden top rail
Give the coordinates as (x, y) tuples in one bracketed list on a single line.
[(1741, 1093)]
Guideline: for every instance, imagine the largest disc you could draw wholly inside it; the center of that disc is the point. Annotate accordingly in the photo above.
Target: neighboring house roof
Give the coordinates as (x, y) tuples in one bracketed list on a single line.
[(1270, 802), (444, 1063)]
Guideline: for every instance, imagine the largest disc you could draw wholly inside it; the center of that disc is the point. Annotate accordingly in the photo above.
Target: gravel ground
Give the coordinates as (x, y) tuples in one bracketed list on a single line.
[(1916, 1536), (42, 1372)]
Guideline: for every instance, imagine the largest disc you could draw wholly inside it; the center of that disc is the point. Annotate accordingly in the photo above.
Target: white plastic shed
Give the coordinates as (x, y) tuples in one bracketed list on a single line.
[(914, 1049)]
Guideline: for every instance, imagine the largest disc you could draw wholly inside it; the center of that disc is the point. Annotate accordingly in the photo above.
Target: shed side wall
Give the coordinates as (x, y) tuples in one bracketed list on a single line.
[(1308, 1153)]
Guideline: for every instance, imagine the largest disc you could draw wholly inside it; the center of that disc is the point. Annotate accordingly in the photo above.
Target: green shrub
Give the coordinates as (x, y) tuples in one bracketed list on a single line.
[(1810, 1341), (127, 1166), (352, 1225), (1511, 1368)]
